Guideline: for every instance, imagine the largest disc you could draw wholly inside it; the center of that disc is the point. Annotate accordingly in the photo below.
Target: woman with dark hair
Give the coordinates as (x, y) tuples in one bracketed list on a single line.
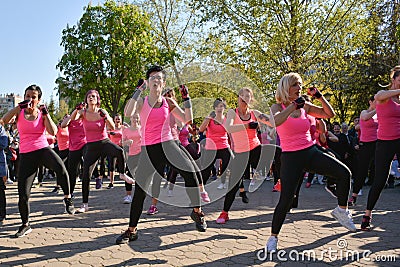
[(94, 122), (32, 122), (159, 147), (299, 153), (388, 143)]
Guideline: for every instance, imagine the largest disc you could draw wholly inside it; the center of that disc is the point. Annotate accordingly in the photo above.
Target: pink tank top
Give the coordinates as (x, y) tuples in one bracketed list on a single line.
[(155, 123), (389, 120), (133, 135), (184, 136), (369, 130), (294, 133), (31, 133), (217, 137), (95, 130), (117, 137), (77, 137), (244, 141), (62, 138)]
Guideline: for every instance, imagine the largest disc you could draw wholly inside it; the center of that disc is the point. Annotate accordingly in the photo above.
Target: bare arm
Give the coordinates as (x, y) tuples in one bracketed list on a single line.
[(133, 106), (281, 115), (229, 124), (11, 114), (51, 127), (366, 115), (262, 118), (383, 95), (332, 137), (185, 116), (204, 125), (324, 112)]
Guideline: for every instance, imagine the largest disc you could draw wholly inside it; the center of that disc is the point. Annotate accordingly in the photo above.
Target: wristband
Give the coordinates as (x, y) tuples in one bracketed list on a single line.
[(136, 94), (187, 103)]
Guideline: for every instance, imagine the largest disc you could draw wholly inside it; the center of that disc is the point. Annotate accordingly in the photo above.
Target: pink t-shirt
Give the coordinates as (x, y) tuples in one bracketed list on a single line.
[(117, 137), (184, 136), (369, 129), (389, 120), (155, 123), (217, 137), (31, 133), (95, 130), (62, 138), (294, 133), (246, 140), (77, 137), (134, 135)]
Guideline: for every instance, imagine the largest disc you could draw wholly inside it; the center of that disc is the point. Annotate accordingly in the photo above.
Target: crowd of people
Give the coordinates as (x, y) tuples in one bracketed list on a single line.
[(294, 141)]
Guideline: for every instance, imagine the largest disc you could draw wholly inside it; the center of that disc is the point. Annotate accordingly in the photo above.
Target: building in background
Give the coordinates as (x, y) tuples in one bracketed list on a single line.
[(9, 101)]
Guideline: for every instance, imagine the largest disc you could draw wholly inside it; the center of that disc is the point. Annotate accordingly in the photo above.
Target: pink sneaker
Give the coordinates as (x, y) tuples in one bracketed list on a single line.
[(152, 210), (205, 197), (223, 218), (308, 185)]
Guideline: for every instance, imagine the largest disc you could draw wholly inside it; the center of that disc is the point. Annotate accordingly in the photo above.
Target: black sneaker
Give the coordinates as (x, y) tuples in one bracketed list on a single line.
[(69, 206), (126, 237), (23, 230), (111, 185), (352, 201), (200, 220), (56, 189), (366, 223), (244, 197), (331, 189)]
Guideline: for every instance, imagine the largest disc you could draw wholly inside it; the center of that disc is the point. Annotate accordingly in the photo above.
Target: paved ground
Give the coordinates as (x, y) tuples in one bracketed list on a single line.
[(170, 239)]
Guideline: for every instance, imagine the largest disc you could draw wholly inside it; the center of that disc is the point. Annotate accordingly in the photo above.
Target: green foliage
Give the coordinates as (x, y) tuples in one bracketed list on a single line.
[(108, 50)]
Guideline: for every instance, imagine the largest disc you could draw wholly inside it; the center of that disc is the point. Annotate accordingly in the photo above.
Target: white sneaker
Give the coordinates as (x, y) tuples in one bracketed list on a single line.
[(344, 218), (272, 245), (9, 181), (253, 182), (221, 186), (83, 208), (170, 193), (127, 199), (360, 193)]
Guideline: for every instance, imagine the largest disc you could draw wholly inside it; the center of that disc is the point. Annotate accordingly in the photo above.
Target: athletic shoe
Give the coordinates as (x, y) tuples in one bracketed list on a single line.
[(84, 208), (127, 179), (127, 237), (344, 218), (331, 190), (308, 185), (272, 245), (366, 223), (253, 182), (360, 193), (223, 218), (69, 206), (205, 197), (110, 186), (213, 178), (56, 189), (170, 193), (352, 201), (244, 197), (23, 230), (200, 220), (221, 186), (127, 199), (98, 183), (9, 181), (165, 184), (152, 210)]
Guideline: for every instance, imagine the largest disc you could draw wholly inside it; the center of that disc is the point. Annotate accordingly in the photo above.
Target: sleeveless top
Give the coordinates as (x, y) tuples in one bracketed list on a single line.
[(389, 120), (95, 130), (184, 136), (31, 133), (133, 135), (246, 140), (77, 137), (217, 137), (369, 129), (117, 137), (155, 123), (62, 138)]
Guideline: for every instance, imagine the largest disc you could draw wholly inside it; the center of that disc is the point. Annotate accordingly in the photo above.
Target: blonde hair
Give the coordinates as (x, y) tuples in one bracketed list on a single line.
[(246, 89), (288, 80), (394, 72)]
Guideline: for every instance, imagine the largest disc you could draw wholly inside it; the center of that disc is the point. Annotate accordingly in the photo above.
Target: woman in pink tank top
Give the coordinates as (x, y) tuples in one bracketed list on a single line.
[(366, 153), (98, 144), (242, 123), (115, 137), (299, 153), (159, 148), (388, 143), (32, 122)]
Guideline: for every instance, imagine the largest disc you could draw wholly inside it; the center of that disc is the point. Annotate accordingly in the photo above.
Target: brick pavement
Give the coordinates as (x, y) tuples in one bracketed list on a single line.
[(170, 239)]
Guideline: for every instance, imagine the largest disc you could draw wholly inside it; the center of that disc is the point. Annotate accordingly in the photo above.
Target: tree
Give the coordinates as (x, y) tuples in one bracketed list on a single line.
[(108, 50)]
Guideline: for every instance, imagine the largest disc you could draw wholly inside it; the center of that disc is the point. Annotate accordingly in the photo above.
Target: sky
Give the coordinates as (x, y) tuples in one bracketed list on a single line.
[(30, 35)]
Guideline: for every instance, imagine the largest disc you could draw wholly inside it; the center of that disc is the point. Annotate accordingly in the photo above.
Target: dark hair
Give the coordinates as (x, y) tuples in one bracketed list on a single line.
[(156, 68), (219, 101), (34, 87), (372, 98), (97, 94)]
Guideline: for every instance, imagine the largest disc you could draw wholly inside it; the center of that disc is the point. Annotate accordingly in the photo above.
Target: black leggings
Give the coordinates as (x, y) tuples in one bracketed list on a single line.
[(75, 159), (208, 159), (384, 154), (93, 152), (131, 167), (366, 156), (153, 159), (312, 160), (28, 166)]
